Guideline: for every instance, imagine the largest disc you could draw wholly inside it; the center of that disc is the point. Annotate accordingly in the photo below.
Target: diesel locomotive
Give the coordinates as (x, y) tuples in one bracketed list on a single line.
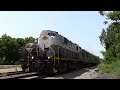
[(54, 53)]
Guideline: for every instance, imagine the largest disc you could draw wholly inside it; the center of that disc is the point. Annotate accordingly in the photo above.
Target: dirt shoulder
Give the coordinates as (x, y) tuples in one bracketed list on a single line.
[(10, 70), (85, 73)]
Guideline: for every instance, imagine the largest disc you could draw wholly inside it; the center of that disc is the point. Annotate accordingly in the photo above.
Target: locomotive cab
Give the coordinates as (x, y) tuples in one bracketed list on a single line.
[(31, 54)]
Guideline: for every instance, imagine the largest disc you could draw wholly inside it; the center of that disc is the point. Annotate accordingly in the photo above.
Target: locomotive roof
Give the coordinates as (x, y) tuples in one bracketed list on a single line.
[(51, 31), (48, 31)]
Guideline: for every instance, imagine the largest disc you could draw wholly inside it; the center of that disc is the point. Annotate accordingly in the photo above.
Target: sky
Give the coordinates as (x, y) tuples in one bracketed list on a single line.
[(81, 27)]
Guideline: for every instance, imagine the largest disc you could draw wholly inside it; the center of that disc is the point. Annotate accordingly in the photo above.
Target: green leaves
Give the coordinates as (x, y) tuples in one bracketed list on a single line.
[(110, 37), (103, 37), (101, 13), (105, 22), (11, 49), (115, 16)]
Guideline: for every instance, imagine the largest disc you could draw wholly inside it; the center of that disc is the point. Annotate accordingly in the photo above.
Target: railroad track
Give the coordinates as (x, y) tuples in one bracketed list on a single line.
[(10, 73), (33, 75)]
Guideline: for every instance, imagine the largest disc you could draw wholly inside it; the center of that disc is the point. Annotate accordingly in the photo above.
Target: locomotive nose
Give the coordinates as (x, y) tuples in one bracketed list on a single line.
[(45, 38)]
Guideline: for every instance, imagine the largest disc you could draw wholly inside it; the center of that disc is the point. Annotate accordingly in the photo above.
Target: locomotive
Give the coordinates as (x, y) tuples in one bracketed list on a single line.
[(54, 53)]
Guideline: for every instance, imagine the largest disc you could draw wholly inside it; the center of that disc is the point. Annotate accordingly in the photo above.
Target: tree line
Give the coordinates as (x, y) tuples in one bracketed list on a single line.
[(11, 49), (110, 36)]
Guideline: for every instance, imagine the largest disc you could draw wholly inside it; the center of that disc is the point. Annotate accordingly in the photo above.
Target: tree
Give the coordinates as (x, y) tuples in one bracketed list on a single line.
[(29, 40), (110, 37), (11, 49)]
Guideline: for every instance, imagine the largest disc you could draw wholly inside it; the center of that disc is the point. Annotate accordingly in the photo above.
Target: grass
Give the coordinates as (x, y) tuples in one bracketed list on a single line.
[(3, 74), (8, 66), (113, 68)]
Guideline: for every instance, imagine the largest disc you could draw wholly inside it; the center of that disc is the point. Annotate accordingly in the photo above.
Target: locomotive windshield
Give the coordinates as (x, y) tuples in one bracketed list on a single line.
[(51, 34)]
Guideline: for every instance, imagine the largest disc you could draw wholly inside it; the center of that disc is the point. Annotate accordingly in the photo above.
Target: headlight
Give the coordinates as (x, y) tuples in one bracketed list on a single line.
[(48, 57), (32, 57)]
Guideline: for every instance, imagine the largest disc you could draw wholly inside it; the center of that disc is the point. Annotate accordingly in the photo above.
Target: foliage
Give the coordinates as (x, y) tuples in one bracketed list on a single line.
[(113, 68), (110, 37), (11, 49)]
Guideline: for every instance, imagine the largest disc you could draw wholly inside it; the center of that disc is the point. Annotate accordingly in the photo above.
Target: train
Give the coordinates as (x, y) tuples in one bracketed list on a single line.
[(54, 53)]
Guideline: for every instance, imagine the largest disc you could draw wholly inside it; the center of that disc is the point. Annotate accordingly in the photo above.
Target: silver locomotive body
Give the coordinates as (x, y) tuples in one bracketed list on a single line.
[(57, 44)]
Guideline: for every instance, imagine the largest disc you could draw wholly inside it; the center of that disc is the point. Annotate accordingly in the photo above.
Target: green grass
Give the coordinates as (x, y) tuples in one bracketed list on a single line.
[(113, 68), (8, 66)]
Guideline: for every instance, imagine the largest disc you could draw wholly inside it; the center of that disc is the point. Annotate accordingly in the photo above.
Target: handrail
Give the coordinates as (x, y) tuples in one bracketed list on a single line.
[(29, 57), (58, 55), (54, 55)]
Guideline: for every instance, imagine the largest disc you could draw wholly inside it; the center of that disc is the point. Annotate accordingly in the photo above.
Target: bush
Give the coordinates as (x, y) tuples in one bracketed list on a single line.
[(113, 68)]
